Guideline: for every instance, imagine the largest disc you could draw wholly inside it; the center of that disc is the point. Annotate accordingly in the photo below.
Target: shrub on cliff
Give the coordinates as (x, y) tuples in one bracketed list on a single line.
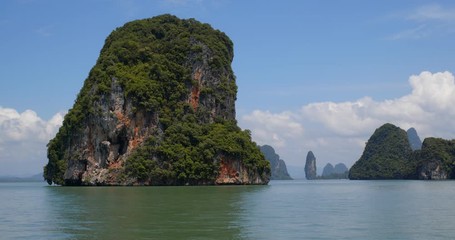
[(187, 152)]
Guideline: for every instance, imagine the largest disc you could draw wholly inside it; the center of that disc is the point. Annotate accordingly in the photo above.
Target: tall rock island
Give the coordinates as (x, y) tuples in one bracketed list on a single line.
[(158, 108), (278, 166), (310, 166)]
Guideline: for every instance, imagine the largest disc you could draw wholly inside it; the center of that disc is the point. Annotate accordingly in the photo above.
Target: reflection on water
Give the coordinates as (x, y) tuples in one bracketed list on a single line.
[(149, 212), (329, 209)]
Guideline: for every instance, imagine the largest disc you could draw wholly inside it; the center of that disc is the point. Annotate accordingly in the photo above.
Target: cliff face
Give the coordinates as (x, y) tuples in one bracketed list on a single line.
[(386, 156), (278, 166), (432, 170), (436, 159), (158, 108), (310, 166)]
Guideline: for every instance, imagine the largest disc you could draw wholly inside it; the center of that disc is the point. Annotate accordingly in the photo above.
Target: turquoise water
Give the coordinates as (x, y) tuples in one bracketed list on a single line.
[(338, 209)]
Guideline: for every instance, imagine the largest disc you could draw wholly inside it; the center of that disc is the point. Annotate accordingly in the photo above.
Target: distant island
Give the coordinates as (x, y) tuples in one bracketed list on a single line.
[(340, 171), (414, 139), (277, 165), (34, 178), (392, 153), (158, 108)]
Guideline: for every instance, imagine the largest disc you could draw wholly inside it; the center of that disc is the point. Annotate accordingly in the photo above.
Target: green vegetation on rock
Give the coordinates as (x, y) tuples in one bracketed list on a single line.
[(436, 159), (386, 156), (187, 152), (172, 78)]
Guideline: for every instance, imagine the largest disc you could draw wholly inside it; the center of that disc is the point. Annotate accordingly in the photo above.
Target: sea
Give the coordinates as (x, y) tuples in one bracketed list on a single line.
[(296, 209)]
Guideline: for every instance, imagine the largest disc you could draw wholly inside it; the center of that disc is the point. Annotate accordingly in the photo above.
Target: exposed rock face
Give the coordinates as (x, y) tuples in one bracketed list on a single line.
[(98, 151), (278, 166), (432, 170), (436, 159), (386, 156), (233, 171), (159, 88), (414, 139), (310, 166)]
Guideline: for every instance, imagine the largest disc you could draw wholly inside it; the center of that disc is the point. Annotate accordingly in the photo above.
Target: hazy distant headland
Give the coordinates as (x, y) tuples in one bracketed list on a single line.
[(277, 165), (34, 178)]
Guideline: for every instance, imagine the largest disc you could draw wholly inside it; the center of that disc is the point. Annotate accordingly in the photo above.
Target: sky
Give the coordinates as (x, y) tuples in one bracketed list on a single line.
[(311, 75)]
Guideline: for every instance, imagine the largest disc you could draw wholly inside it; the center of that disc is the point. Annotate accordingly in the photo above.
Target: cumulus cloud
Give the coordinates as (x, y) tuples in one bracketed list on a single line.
[(337, 131), (23, 139), (273, 128)]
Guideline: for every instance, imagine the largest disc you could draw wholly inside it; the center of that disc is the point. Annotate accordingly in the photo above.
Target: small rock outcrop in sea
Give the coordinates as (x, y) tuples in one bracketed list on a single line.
[(386, 156), (340, 171), (414, 139), (158, 108), (278, 166), (310, 166)]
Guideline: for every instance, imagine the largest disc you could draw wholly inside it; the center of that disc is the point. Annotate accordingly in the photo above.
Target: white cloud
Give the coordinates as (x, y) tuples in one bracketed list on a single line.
[(431, 20), (428, 105), (23, 139), (337, 131), (344, 119), (275, 129), (421, 31), (432, 12)]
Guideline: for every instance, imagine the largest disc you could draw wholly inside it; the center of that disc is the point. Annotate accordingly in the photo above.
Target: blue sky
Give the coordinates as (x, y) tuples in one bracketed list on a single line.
[(306, 70)]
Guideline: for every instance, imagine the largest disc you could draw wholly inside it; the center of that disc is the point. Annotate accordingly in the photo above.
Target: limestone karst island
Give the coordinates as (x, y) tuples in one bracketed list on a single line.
[(393, 153), (158, 108)]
